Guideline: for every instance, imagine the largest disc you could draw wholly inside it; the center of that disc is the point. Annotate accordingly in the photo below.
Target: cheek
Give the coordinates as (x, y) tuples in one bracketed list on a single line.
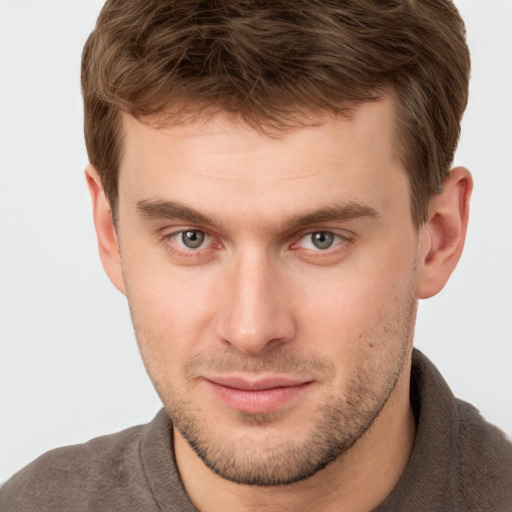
[(339, 322), (348, 310), (171, 308)]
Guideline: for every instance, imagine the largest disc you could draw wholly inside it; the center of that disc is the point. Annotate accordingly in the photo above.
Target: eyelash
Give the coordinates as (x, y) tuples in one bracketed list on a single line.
[(339, 246), (326, 256), (335, 236), (184, 252)]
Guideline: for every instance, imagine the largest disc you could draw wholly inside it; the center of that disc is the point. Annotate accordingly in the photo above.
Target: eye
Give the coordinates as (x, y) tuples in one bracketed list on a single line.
[(191, 238), (190, 246), (320, 240)]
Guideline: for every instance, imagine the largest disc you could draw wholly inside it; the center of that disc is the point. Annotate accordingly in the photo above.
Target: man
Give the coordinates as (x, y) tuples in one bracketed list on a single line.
[(271, 191)]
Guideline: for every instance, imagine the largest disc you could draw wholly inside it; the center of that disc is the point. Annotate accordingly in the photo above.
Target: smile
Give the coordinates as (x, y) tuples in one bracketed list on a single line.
[(256, 397)]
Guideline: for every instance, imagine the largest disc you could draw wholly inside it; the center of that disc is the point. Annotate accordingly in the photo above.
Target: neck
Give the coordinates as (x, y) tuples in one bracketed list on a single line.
[(357, 481)]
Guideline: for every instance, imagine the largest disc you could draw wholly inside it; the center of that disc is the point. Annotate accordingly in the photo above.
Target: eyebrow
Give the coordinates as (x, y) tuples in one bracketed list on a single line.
[(159, 209), (334, 213), (172, 210)]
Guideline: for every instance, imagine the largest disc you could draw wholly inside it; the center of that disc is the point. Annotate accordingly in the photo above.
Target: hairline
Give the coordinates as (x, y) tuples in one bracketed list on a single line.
[(171, 116)]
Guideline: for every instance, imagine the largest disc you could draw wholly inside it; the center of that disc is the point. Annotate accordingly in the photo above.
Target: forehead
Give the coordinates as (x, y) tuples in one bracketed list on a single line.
[(336, 158)]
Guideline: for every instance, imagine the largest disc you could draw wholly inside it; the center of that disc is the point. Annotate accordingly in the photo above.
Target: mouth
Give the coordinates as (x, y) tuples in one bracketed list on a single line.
[(257, 396)]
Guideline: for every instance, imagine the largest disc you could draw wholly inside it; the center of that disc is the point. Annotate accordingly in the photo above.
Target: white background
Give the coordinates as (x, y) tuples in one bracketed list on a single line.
[(69, 366)]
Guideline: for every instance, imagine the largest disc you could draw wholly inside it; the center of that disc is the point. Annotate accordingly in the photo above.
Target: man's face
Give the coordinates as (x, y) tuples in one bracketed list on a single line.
[(271, 283)]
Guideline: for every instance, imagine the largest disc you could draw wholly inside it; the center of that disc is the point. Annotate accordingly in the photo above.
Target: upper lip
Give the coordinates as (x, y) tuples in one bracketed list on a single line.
[(256, 384)]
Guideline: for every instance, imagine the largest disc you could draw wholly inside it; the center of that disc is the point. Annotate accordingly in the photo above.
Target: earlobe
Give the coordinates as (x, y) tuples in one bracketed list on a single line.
[(108, 244), (444, 233)]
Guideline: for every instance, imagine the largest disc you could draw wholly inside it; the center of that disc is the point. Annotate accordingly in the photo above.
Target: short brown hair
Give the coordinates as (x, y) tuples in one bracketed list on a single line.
[(273, 64)]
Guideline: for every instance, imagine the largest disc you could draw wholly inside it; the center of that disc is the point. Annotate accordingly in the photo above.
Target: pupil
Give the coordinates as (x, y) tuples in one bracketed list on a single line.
[(192, 239), (322, 240)]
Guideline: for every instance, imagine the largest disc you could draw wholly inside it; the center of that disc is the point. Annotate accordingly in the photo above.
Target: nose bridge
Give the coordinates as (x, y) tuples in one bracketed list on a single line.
[(255, 312)]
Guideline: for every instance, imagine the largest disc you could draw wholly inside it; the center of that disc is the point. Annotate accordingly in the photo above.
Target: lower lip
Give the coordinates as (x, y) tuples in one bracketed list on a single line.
[(257, 401)]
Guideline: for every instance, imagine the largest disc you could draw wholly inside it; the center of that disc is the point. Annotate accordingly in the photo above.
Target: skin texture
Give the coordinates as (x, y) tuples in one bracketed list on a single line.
[(302, 272)]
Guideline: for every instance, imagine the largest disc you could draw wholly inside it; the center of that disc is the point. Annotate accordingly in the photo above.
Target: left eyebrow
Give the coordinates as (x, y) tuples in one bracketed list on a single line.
[(334, 213)]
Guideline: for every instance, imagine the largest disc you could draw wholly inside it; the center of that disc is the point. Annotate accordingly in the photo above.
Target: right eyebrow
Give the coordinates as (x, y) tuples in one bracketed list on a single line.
[(157, 209)]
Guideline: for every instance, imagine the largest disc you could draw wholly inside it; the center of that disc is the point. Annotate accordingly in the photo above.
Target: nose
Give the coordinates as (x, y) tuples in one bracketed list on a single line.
[(255, 313)]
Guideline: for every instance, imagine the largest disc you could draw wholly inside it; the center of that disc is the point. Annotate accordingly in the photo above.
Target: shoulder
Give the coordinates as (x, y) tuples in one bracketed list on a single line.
[(459, 461), (485, 462), (72, 477)]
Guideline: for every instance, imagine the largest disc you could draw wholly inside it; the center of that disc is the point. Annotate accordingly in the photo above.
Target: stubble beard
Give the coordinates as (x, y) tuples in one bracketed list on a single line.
[(341, 420)]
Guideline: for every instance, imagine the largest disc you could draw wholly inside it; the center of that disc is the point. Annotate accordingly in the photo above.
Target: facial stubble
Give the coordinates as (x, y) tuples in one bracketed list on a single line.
[(333, 427)]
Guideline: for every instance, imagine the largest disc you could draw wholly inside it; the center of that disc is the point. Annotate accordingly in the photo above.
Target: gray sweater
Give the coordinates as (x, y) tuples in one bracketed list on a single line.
[(459, 463)]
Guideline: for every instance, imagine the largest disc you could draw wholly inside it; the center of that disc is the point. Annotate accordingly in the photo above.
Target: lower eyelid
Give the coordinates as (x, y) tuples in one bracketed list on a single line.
[(211, 243)]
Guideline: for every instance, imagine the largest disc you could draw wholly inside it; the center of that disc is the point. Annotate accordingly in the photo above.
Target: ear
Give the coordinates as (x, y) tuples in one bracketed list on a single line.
[(108, 243), (444, 233)]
